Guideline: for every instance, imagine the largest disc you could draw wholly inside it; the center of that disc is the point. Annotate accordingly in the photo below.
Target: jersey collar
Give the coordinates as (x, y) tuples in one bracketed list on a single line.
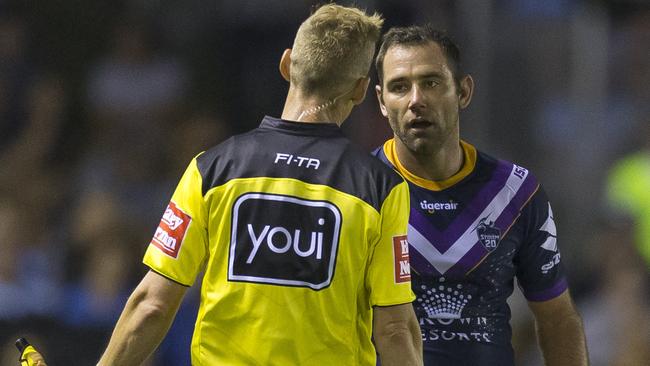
[(469, 162), (325, 129)]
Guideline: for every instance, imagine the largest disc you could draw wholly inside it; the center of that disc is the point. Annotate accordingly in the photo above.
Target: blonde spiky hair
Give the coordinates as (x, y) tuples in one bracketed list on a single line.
[(333, 48)]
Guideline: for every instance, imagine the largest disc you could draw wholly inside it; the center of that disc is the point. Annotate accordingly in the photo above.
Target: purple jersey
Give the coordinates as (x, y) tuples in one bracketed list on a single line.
[(469, 237)]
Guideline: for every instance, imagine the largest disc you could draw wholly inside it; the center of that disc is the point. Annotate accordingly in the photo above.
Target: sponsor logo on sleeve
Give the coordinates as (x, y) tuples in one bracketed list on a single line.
[(171, 231), (519, 171), (401, 256)]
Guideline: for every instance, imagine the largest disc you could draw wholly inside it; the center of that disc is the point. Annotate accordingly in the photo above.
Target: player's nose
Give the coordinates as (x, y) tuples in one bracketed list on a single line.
[(416, 100)]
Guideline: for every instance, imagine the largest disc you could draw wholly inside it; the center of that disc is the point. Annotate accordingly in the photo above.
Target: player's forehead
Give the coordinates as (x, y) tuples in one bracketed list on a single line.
[(414, 61)]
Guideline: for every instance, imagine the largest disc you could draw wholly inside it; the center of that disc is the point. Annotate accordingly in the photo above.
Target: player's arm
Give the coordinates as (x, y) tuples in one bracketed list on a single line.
[(559, 331), (397, 335), (145, 320)]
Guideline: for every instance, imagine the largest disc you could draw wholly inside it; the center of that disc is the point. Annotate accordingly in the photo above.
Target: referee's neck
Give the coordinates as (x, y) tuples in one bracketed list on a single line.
[(312, 109)]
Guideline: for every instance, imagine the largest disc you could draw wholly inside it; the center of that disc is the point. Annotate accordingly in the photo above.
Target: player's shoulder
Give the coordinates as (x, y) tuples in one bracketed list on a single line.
[(524, 186), (508, 168), (236, 144), (536, 205)]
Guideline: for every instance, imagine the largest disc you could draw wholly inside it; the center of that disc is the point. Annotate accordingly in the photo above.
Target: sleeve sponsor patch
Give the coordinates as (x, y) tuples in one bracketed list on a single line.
[(401, 257), (171, 230)]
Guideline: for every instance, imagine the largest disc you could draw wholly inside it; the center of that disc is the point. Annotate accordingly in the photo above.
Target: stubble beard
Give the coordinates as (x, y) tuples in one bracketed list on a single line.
[(420, 147)]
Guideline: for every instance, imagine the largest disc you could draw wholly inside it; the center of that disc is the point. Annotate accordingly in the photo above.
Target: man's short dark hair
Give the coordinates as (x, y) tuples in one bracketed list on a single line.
[(415, 36)]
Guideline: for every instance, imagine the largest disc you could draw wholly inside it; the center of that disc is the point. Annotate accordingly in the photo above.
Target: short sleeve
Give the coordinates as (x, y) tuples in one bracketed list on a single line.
[(389, 278), (539, 269), (179, 245)]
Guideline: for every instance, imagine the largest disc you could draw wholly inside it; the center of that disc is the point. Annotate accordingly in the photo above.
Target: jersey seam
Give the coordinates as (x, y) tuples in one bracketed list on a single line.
[(167, 276), (356, 198)]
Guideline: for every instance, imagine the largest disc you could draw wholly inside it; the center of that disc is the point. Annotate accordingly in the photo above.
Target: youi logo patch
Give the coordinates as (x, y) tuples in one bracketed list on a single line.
[(283, 240)]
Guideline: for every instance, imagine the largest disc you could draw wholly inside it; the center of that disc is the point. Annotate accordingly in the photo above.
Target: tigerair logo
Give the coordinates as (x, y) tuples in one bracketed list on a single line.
[(432, 207)]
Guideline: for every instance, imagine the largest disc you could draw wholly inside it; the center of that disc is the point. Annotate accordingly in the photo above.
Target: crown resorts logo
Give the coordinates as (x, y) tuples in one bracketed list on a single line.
[(443, 301)]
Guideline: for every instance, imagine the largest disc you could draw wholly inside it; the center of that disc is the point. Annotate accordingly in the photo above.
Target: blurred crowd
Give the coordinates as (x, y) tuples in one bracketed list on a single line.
[(103, 103)]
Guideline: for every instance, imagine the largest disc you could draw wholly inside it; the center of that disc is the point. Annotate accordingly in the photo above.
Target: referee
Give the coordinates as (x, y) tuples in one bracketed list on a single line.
[(300, 237)]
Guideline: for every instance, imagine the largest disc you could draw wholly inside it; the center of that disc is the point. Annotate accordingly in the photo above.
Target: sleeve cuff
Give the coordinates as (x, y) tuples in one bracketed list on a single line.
[(549, 293)]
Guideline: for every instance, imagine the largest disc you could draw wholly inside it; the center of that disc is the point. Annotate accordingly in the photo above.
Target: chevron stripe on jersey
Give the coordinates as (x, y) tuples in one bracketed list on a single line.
[(470, 235), (456, 250), (450, 245)]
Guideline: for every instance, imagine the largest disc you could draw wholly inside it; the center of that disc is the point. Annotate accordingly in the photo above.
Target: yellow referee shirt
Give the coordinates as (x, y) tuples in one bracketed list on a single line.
[(298, 234)]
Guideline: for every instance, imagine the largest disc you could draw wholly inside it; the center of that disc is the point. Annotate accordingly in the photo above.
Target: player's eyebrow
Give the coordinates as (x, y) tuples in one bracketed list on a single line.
[(428, 75), (396, 80)]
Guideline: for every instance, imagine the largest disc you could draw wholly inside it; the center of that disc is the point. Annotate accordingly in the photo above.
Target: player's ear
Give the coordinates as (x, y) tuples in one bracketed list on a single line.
[(380, 98), (465, 91), (285, 64), (360, 89)]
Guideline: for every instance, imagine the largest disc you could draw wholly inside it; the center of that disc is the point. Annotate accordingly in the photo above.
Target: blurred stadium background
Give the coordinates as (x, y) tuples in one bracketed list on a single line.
[(103, 103)]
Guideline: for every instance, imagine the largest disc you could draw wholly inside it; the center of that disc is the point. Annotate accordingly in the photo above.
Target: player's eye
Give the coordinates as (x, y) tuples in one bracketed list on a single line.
[(398, 88), (431, 83)]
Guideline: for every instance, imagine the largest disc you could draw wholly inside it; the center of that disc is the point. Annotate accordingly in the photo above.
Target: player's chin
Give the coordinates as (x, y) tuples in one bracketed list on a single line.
[(422, 135), (420, 145)]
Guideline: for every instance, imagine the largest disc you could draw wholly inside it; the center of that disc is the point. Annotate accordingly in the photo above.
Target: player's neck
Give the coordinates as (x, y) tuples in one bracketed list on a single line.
[(437, 165)]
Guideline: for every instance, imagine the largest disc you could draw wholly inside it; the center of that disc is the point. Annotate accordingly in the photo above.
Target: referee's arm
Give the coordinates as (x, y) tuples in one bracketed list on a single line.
[(397, 335), (145, 320)]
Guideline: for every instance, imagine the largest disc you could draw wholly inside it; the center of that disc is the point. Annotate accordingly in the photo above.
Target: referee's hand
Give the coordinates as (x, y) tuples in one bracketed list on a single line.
[(37, 359), (33, 359)]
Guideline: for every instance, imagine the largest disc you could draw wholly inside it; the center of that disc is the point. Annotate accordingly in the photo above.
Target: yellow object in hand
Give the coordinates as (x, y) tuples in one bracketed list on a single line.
[(28, 354)]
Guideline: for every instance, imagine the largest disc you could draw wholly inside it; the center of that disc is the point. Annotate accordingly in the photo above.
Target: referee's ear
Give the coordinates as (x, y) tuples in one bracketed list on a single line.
[(360, 89), (285, 65)]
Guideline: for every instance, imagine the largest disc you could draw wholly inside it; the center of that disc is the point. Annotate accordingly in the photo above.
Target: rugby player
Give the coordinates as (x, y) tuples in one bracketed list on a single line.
[(300, 237), (476, 222)]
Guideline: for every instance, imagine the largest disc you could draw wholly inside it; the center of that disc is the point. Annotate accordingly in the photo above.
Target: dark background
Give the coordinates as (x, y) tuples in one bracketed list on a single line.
[(103, 103)]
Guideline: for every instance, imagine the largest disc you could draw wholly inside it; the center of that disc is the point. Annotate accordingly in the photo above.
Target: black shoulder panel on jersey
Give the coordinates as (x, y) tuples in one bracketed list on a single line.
[(379, 154), (483, 170), (312, 153)]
